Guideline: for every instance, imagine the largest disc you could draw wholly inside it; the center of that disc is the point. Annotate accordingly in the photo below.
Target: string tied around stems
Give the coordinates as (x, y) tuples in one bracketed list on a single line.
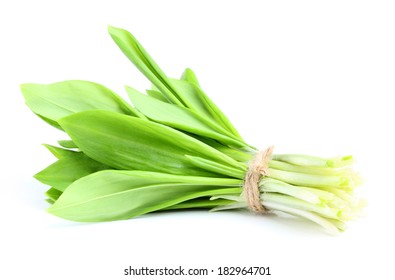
[(257, 168)]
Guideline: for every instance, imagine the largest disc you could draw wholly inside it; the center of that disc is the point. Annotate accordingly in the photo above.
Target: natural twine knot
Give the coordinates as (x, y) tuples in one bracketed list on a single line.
[(258, 167)]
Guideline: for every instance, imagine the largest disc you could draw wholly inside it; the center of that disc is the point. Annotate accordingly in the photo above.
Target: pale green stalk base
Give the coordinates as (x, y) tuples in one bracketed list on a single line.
[(320, 190)]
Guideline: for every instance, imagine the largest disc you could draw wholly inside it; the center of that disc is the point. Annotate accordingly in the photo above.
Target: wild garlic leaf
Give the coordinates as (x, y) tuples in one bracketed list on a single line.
[(124, 142), (157, 95), (53, 194), (216, 113), (54, 101), (59, 152), (68, 144), (189, 84), (114, 194), (180, 118), (170, 88), (142, 60), (189, 92), (237, 154), (190, 76), (49, 121), (211, 165), (68, 169)]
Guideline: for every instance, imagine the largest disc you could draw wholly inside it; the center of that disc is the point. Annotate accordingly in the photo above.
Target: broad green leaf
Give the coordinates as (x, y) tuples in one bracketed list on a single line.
[(54, 101), (114, 194), (125, 142), (180, 118), (68, 144), (68, 169), (141, 59), (59, 152)]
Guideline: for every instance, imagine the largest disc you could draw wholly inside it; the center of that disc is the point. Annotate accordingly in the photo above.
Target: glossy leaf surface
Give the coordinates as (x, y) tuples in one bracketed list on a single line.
[(113, 195), (55, 101), (125, 142)]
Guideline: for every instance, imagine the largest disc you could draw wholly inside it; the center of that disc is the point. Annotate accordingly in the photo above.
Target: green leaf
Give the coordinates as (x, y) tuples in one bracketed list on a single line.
[(59, 152), (211, 165), (114, 194), (180, 118), (54, 101), (189, 76), (69, 144), (236, 154), (213, 110), (50, 200), (157, 95), (189, 86), (141, 59), (189, 92), (49, 121), (173, 90), (125, 142), (68, 169), (53, 194)]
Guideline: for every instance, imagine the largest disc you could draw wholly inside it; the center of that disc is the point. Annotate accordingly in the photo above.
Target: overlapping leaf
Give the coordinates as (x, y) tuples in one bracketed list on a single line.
[(125, 142), (181, 118), (114, 195), (67, 169), (54, 101), (182, 93)]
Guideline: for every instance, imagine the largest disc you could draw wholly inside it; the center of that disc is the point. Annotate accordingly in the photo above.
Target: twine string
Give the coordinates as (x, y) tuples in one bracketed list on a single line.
[(257, 168)]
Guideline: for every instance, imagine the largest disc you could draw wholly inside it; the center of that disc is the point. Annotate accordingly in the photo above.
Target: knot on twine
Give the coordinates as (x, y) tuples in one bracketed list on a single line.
[(257, 168)]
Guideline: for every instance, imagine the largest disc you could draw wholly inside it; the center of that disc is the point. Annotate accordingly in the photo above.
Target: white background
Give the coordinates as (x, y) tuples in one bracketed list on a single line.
[(312, 77)]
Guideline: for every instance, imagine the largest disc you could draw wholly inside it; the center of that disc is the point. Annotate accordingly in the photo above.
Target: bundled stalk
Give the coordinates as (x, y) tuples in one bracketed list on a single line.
[(173, 149)]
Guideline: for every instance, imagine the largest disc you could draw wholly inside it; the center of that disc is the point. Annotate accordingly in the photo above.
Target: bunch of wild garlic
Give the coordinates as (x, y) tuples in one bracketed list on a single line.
[(173, 149)]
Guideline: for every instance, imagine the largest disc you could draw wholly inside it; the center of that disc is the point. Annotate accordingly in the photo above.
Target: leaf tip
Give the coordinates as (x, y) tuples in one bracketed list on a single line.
[(115, 31), (52, 209), (110, 28), (25, 89), (38, 176)]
